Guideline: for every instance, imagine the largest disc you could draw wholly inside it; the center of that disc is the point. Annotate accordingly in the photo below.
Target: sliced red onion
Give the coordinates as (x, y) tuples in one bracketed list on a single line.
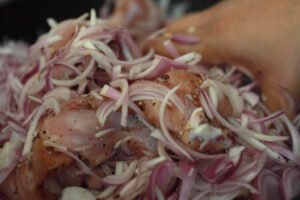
[(201, 195), (162, 177), (34, 85), (296, 121), (60, 93), (295, 135), (171, 48), (128, 64), (148, 90), (43, 43), (230, 186), (285, 152), (49, 103), (220, 170), (104, 110), (158, 67), (257, 135), (123, 84), (250, 140), (116, 72), (29, 117), (192, 58), (164, 129), (197, 155), (268, 185), (188, 180), (115, 94), (247, 172), (98, 45), (123, 178), (78, 79), (185, 39), (236, 102), (95, 32), (128, 43), (249, 87), (121, 98), (228, 76), (30, 73), (251, 98), (268, 118), (290, 183)]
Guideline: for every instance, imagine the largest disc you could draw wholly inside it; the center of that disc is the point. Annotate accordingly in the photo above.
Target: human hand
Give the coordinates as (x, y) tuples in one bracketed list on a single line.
[(262, 35)]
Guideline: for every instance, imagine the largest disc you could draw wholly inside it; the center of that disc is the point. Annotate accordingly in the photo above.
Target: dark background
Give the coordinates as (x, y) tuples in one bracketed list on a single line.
[(26, 19)]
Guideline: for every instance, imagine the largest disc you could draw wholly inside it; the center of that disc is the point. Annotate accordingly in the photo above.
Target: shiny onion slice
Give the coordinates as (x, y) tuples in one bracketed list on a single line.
[(290, 183), (163, 178), (268, 185), (220, 170), (185, 39)]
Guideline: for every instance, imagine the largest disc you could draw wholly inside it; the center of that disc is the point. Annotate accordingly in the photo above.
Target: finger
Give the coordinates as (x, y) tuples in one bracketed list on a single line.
[(209, 44), (204, 25)]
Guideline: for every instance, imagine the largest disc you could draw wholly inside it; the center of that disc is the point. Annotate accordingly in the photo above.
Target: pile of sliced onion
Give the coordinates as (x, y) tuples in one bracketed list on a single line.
[(104, 69)]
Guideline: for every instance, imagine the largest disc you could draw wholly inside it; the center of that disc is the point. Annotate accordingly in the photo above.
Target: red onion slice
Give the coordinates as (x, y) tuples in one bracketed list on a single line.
[(171, 48), (158, 67), (268, 118), (162, 177), (49, 103), (78, 79), (267, 183), (181, 151), (220, 170), (247, 172), (295, 135), (246, 138), (123, 178), (285, 152), (148, 90), (188, 180), (185, 39), (290, 183)]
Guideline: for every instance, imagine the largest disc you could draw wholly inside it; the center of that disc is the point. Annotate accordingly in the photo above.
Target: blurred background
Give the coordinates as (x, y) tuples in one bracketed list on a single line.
[(26, 19)]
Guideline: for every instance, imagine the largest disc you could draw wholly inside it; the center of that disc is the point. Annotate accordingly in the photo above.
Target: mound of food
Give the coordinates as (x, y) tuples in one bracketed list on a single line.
[(85, 115)]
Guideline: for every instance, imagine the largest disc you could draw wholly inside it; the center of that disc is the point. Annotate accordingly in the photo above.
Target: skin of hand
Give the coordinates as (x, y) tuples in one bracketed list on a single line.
[(261, 35)]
